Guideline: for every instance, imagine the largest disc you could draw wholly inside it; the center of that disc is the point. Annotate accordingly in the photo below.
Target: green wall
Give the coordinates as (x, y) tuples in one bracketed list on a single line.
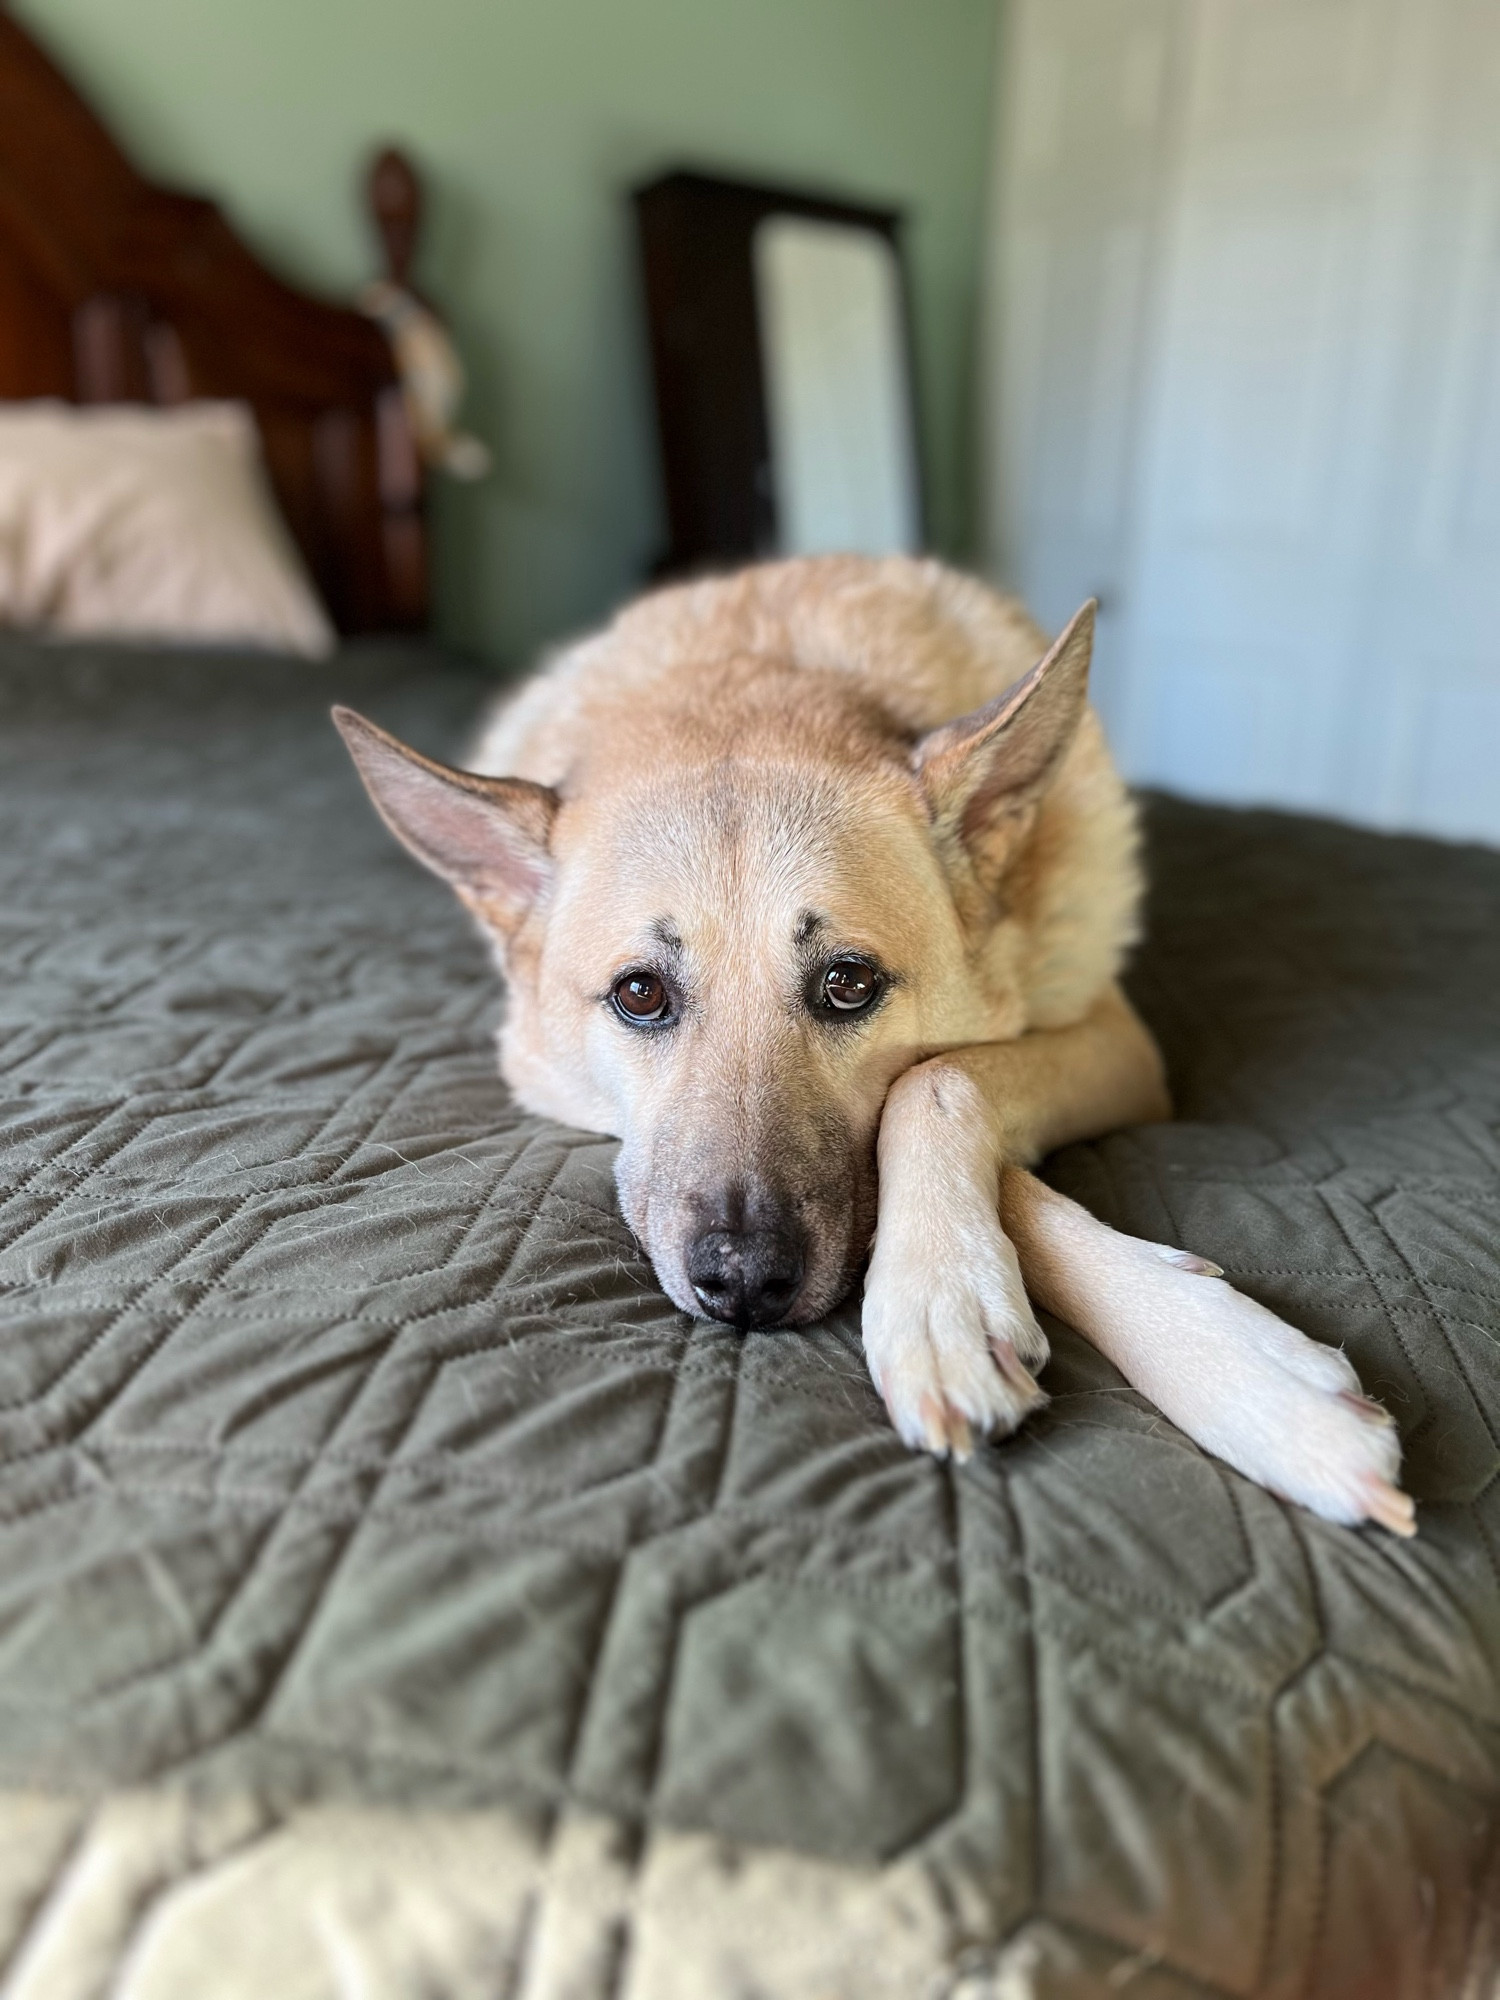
[(530, 117)]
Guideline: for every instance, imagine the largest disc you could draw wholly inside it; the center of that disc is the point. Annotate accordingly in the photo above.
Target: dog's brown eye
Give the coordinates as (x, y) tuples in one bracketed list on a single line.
[(848, 985), (640, 997)]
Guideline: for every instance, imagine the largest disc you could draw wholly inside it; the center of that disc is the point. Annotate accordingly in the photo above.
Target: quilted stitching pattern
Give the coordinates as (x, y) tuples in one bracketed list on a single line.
[(349, 1450)]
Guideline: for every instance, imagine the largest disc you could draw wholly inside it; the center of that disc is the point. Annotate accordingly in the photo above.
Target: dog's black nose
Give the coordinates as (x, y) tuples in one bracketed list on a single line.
[(748, 1276)]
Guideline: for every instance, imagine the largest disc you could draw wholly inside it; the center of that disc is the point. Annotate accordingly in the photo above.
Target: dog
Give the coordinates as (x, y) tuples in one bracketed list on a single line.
[(812, 885)]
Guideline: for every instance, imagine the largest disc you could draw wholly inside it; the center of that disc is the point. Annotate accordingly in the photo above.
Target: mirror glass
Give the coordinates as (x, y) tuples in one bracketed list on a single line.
[(838, 396)]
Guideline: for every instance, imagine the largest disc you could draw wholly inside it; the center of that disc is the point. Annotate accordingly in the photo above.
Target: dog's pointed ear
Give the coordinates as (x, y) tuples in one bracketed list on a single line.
[(486, 836), (981, 775)]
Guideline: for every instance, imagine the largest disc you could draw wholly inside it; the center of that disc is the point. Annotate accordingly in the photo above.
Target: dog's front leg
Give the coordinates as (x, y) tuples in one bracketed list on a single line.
[(950, 1334), (1285, 1410)]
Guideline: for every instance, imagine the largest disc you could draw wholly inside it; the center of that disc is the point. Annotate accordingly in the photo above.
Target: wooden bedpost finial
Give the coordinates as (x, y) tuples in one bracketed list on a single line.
[(394, 193), (428, 363)]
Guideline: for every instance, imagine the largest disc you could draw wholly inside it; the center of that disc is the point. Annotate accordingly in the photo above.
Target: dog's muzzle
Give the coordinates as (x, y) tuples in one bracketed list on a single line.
[(747, 1262)]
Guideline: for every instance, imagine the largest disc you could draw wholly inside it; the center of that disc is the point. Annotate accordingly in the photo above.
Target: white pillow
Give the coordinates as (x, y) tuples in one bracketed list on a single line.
[(126, 522)]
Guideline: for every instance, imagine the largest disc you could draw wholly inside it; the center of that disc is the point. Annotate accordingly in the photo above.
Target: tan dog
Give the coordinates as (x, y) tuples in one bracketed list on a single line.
[(812, 886)]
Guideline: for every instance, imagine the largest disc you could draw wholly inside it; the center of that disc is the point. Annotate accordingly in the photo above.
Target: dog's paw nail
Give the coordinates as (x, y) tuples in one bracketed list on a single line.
[(1016, 1374), (1185, 1260), (960, 1438), (932, 1427), (1389, 1507), (1364, 1406)]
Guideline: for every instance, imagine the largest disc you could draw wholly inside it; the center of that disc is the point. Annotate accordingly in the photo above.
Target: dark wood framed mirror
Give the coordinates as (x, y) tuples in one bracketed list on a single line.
[(781, 353)]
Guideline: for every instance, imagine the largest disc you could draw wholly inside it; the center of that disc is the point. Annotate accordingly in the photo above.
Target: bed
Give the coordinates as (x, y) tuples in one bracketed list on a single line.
[(399, 1597)]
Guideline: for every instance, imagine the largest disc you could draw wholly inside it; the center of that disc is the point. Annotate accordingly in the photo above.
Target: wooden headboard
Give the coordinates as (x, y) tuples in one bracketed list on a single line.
[(112, 289)]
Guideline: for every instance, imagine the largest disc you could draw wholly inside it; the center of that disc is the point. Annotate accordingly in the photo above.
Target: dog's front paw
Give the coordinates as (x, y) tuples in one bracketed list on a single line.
[(1283, 1409), (1301, 1424), (948, 1333)]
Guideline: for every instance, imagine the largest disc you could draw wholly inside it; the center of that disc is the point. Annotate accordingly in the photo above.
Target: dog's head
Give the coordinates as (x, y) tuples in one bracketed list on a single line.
[(723, 943)]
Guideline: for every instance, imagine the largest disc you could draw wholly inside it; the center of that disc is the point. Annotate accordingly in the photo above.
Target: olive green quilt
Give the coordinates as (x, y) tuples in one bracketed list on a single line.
[(399, 1597)]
